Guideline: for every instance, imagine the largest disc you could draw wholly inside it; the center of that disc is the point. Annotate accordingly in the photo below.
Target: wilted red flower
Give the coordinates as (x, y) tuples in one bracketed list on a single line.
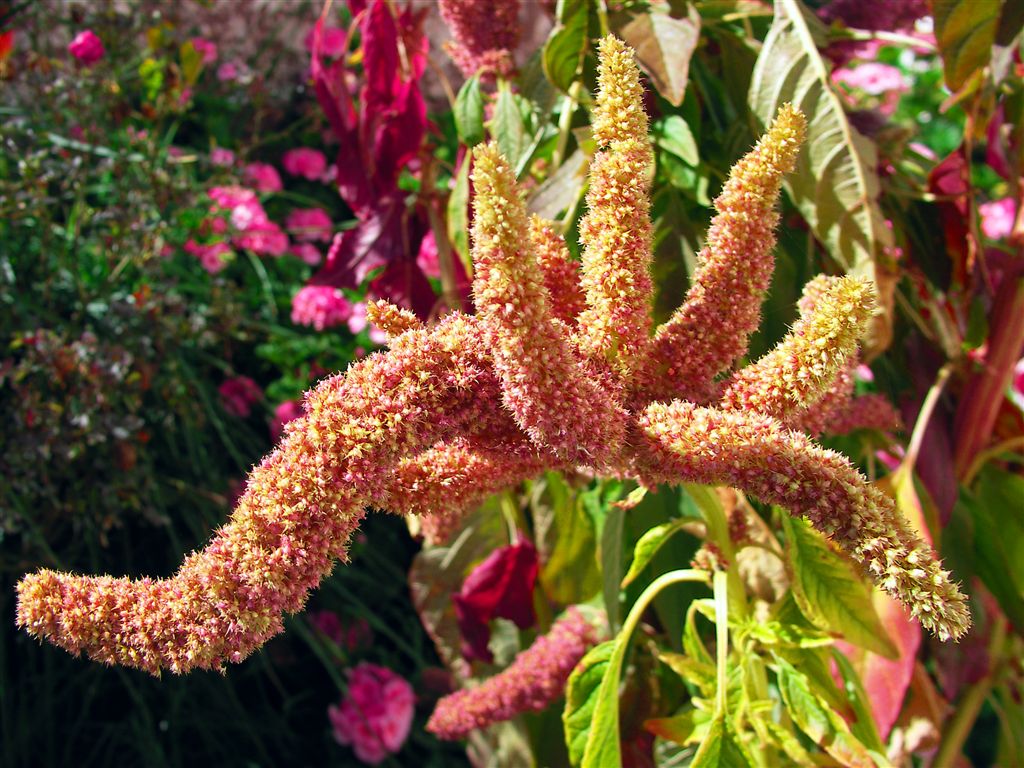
[(501, 587)]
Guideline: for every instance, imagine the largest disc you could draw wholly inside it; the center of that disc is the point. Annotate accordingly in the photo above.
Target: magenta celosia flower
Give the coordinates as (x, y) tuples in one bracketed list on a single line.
[(997, 217), (213, 256), (205, 48), (872, 77), (262, 177), (86, 47), (309, 224), (485, 35), (222, 157), (305, 162), (501, 587), (535, 679), (376, 713), (320, 306), (239, 394), (284, 413)]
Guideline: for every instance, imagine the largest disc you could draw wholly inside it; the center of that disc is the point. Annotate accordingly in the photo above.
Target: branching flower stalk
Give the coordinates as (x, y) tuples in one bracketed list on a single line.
[(534, 381)]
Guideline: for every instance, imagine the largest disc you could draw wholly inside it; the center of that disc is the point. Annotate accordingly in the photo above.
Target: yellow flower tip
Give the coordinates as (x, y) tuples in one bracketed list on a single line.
[(619, 111), (391, 319)]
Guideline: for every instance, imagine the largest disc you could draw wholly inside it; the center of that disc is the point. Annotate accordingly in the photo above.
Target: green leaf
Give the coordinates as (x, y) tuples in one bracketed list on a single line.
[(830, 592), (611, 563), (965, 31), (664, 44), (191, 62), (582, 696), (647, 547), (566, 46), (698, 673), (710, 750), (458, 216), (565, 534), (469, 113), (685, 728), (673, 134), (561, 189), (834, 184), (824, 726), (863, 726), (507, 126)]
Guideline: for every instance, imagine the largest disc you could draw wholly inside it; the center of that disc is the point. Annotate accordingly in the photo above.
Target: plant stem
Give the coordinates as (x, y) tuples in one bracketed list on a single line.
[(721, 582)]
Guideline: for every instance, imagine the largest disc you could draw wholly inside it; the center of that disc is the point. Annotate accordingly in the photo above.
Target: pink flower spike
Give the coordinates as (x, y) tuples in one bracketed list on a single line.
[(376, 714), (305, 162), (426, 258), (87, 48), (263, 177), (238, 395), (205, 48)]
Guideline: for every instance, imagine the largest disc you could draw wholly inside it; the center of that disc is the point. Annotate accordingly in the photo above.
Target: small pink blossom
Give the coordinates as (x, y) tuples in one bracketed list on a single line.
[(205, 48), (222, 157), (287, 411), (308, 252), (233, 70), (305, 162), (320, 306), (872, 77), (376, 713), (309, 224), (87, 48), (238, 395), (357, 318), (997, 217), (254, 230), (263, 177), (213, 256), (333, 42)]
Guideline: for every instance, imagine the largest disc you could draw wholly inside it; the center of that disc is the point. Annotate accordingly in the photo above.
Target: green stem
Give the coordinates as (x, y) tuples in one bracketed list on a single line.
[(721, 587)]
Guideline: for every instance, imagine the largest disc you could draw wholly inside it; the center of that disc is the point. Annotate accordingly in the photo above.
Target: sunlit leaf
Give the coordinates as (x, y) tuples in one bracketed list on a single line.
[(584, 703), (567, 44), (458, 215), (673, 134), (965, 31), (469, 112), (647, 547), (507, 126), (565, 534), (663, 43), (835, 184)]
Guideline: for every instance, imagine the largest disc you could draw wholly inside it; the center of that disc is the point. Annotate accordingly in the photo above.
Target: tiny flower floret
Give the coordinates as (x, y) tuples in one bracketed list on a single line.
[(559, 369)]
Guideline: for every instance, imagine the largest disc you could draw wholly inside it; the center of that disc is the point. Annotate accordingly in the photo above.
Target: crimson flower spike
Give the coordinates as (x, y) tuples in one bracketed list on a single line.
[(551, 373)]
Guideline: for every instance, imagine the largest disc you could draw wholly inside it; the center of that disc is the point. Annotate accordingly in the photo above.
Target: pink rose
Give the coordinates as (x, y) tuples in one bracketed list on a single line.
[(287, 411), (263, 177), (238, 395), (376, 713), (320, 306), (305, 162), (309, 224), (222, 157), (997, 218), (87, 48), (205, 48)]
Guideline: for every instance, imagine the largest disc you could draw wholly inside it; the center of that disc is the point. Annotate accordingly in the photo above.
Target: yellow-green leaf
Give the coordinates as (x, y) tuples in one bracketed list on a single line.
[(965, 31)]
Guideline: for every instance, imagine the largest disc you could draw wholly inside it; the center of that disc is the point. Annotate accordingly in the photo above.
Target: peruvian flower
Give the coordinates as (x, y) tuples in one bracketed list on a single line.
[(485, 34), (501, 587), (376, 713), (305, 162), (997, 217), (86, 47), (262, 177), (308, 252), (222, 157), (213, 256), (205, 48), (320, 306), (239, 394), (535, 679), (333, 43), (309, 224), (284, 413)]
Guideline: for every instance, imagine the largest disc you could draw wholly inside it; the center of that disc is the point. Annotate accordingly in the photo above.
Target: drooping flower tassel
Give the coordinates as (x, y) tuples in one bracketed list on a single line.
[(561, 274)]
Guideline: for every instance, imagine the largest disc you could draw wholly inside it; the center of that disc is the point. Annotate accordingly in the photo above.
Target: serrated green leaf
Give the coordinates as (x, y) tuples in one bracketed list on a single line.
[(469, 112), (830, 592), (581, 698), (965, 31), (664, 44), (566, 46), (695, 672), (507, 126), (825, 727), (458, 216), (673, 134), (835, 184), (647, 547)]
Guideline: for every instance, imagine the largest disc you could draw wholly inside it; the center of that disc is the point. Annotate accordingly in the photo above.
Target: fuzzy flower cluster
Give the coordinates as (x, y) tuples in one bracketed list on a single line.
[(535, 679), (485, 35), (454, 411)]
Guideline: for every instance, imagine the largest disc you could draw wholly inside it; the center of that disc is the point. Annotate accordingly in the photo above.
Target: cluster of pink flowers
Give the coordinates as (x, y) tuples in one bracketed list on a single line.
[(320, 306), (222, 157), (87, 48), (213, 256), (284, 413), (262, 177), (305, 162), (997, 217), (205, 48), (239, 394), (309, 224), (253, 229), (874, 79), (376, 713)]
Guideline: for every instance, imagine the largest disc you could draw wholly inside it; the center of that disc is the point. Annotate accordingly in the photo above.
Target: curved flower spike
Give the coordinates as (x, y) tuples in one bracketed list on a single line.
[(616, 231), (863, 412), (535, 679), (723, 307), (690, 443), (392, 319), (561, 273), (541, 381), (800, 370)]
